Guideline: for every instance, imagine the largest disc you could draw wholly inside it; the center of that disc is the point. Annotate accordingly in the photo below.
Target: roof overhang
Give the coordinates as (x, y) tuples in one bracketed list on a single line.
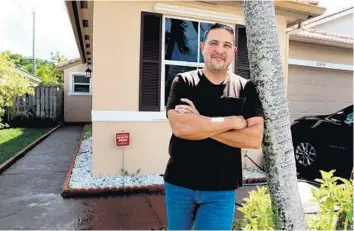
[(328, 17), (81, 19), (293, 11), (303, 33), (322, 38), (69, 63), (28, 75), (297, 11)]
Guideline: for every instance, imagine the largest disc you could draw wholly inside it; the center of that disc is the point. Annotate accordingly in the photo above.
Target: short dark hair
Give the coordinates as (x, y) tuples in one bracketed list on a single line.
[(218, 26)]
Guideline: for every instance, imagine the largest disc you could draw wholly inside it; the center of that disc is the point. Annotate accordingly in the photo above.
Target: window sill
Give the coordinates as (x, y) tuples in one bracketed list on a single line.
[(128, 116), (79, 93)]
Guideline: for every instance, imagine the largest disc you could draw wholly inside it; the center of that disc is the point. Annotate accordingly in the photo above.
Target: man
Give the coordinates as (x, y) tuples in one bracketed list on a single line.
[(213, 114)]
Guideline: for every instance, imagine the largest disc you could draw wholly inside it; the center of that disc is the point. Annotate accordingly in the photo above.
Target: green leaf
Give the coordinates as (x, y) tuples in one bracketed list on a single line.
[(350, 215), (329, 203), (320, 181)]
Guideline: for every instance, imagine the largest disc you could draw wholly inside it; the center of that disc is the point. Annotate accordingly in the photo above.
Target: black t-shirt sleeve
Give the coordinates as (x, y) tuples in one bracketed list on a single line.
[(252, 106), (179, 89)]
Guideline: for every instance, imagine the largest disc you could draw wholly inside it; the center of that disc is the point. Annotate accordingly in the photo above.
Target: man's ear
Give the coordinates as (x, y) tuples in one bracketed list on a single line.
[(202, 45), (235, 50)]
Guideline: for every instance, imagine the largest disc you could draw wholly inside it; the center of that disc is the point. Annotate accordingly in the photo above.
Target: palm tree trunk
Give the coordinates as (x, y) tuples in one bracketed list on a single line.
[(268, 76)]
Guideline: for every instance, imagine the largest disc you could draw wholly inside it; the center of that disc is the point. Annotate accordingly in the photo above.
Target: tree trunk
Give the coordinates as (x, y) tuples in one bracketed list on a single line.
[(268, 76)]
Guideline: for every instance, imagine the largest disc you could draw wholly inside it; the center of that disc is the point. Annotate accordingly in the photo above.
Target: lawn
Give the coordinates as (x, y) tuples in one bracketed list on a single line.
[(13, 140), (88, 131)]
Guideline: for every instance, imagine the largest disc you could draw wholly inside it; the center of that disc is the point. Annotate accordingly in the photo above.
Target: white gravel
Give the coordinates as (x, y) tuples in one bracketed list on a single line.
[(81, 176)]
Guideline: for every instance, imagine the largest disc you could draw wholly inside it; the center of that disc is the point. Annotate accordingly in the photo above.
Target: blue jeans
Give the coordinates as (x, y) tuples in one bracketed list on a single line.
[(207, 210)]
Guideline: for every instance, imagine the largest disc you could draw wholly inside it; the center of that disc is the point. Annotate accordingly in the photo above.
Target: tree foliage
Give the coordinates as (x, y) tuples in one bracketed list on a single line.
[(45, 69), (12, 84)]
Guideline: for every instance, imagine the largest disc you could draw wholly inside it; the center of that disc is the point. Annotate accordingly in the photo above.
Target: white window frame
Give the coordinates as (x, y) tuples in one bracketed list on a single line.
[(181, 63), (72, 84)]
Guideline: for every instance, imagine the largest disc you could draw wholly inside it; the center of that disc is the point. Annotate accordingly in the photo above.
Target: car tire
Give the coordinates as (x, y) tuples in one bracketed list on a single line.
[(306, 158)]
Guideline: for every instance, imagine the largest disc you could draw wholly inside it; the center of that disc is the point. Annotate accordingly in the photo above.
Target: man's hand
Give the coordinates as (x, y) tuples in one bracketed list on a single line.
[(187, 109), (240, 122)]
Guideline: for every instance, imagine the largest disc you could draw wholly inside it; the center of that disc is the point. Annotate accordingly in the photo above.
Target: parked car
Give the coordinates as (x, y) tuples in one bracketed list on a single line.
[(324, 142)]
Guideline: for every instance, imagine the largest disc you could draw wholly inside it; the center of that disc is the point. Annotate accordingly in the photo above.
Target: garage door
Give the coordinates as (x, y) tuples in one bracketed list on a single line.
[(314, 91)]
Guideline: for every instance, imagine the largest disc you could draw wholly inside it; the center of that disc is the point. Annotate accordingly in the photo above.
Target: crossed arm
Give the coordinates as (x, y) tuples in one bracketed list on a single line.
[(234, 131)]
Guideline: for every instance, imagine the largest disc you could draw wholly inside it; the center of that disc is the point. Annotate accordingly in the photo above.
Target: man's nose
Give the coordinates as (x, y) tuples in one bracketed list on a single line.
[(220, 49)]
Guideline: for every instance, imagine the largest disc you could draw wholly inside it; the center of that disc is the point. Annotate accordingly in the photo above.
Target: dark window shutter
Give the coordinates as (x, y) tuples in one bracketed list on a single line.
[(241, 60), (150, 61)]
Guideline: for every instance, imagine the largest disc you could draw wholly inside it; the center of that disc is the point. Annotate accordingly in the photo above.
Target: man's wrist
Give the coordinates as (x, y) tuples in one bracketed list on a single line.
[(217, 119)]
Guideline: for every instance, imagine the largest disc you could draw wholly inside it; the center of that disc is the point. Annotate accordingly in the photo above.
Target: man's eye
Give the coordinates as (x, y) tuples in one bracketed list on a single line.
[(228, 45), (213, 43)]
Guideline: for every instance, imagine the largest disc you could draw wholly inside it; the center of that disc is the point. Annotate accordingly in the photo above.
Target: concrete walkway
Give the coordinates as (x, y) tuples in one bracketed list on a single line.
[(30, 189), (30, 195)]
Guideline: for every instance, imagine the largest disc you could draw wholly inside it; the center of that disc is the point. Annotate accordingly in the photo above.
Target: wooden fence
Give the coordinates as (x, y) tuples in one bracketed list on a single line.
[(45, 105)]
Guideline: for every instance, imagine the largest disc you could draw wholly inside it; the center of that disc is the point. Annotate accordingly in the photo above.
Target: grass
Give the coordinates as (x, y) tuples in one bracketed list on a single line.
[(88, 131), (12, 140)]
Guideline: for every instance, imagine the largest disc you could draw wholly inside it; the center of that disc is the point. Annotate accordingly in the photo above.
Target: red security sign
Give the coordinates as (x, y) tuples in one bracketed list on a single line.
[(122, 139)]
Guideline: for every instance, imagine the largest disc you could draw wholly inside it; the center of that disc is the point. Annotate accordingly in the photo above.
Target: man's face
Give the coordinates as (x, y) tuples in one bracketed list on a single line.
[(218, 50)]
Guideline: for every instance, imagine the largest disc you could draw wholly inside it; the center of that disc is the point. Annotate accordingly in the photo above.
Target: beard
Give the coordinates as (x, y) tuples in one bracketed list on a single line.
[(215, 65)]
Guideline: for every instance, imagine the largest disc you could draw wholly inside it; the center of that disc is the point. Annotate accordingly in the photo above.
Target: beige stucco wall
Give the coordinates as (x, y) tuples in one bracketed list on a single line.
[(148, 150), (77, 108), (116, 88), (317, 52)]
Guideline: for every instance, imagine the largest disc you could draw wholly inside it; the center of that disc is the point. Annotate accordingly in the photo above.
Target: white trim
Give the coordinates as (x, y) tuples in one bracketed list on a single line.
[(71, 84), (79, 93), (325, 18), (127, 116), (322, 41), (198, 13), (183, 63), (162, 74), (319, 64)]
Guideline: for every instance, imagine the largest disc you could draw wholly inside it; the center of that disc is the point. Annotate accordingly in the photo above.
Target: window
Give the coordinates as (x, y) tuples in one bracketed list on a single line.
[(171, 45), (181, 50), (79, 84)]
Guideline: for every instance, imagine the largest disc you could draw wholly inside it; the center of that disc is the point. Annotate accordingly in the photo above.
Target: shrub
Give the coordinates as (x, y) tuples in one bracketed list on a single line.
[(335, 198)]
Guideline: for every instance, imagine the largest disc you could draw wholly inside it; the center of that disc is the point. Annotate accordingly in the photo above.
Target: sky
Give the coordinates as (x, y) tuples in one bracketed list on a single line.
[(53, 29)]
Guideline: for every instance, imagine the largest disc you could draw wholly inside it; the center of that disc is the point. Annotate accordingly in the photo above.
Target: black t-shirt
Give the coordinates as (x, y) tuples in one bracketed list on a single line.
[(208, 164)]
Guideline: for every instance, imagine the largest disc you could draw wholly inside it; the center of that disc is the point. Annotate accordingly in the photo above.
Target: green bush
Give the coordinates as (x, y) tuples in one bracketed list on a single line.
[(257, 210), (335, 198)]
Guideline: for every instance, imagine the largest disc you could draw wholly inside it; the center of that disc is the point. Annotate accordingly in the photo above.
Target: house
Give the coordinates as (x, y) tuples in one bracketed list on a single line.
[(320, 72), (127, 46), (320, 67), (77, 91), (34, 80)]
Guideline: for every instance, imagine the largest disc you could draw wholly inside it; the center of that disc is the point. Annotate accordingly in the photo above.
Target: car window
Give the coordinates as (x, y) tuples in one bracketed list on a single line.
[(338, 116), (350, 117)]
